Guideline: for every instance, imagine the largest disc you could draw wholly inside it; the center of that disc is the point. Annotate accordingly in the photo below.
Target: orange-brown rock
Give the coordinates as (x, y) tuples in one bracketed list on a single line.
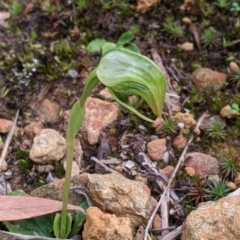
[(5, 125), (98, 115), (205, 78), (156, 149), (185, 118), (100, 225), (228, 112), (202, 164), (144, 5)]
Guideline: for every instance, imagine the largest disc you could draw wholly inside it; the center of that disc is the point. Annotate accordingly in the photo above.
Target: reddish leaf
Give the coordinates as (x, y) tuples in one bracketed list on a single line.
[(22, 207)]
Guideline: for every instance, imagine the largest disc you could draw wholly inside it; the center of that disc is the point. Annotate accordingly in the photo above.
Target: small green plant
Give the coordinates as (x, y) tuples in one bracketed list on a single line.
[(16, 8), (229, 167), (168, 127), (216, 190), (125, 41), (235, 7), (197, 193), (235, 78), (216, 131), (234, 109), (222, 3), (125, 73), (210, 38), (175, 30)]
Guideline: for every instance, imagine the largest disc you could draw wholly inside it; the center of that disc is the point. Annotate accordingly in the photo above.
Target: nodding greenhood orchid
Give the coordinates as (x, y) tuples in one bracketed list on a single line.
[(125, 73)]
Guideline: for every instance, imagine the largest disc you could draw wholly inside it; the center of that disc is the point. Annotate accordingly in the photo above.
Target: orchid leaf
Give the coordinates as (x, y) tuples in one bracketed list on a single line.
[(128, 73), (132, 47), (125, 38)]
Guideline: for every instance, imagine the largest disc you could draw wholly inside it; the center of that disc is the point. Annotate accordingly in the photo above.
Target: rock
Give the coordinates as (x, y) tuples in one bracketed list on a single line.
[(185, 118), (187, 46), (106, 226), (78, 152), (189, 171), (33, 129), (202, 164), (116, 194), (186, 20), (98, 115), (237, 179), (233, 67), (167, 170), (48, 111), (231, 185), (75, 167), (228, 112), (157, 222), (48, 146), (207, 122), (179, 141), (144, 5), (5, 125), (157, 148), (45, 168), (54, 190), (214, 220), (205, 78), (105, 94)]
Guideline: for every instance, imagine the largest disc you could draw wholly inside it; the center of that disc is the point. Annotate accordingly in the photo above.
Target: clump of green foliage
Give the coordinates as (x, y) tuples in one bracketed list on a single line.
[(229, 167), (210, 38), (168, 127), (216, 131), (217, 190), (174, 29)]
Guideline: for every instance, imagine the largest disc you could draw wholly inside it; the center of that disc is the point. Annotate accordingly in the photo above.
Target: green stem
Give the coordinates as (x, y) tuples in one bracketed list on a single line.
[(75, 121)]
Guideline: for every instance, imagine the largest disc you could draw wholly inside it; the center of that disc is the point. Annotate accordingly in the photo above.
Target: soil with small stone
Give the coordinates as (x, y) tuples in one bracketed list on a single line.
[(204, 75)]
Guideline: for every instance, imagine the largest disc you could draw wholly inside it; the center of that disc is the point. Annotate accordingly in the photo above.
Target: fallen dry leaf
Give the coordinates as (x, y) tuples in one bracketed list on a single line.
[(4, 15), (14, 208)]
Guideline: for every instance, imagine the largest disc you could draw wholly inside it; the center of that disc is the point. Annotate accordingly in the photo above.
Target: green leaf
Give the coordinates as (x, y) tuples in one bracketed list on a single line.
[(95, 45), (18, 192), (126, 73), (79, 220), (132, 47), (107, 47), (57, 225), (41, 226), (125, 38)]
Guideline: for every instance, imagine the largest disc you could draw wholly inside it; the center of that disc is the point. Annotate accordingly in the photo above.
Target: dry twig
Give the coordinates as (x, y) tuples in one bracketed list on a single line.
[(180, 162), (108, 169), (3, 163)]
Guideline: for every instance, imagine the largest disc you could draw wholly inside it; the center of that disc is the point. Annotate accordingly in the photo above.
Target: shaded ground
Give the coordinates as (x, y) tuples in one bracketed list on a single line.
[(42, 41)]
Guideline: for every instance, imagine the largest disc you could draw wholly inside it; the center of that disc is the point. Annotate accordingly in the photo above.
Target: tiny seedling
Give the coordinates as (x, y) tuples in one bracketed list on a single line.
[(235, 7), (124, 73), (234, 109), (125, 41)]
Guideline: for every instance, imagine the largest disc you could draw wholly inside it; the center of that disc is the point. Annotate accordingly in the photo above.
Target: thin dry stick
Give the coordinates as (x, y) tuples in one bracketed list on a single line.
[(180, 161), (108, 169), (3, 163), (172, 234)]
